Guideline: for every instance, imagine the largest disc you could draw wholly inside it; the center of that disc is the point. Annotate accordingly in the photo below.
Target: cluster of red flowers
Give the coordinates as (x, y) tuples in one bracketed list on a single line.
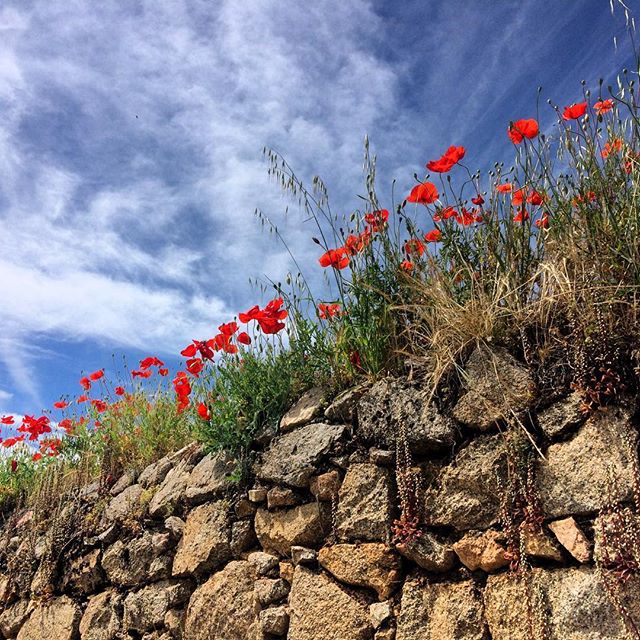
[(355, 243), (326, 311)]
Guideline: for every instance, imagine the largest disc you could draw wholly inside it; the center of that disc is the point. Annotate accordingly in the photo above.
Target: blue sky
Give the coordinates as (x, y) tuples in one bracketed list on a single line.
[(131, 136)]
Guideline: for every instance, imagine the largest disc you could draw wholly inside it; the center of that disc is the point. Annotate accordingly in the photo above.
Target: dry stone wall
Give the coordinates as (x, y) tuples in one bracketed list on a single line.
[(467, 535)]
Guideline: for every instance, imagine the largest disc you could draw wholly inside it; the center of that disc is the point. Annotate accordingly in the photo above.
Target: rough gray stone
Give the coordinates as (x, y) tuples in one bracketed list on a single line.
[(365, 504), (574, 478), (393, 408), (127, 504), (145, 610), (496, 386), (428, 552), (140, 560), (275, 621), (306, 409), (264, 563), (292, 458), (101, 619), (210, 477), (243, 536), (270, 590), (344, 406), (126, 480), (561, 416), (466, 495), (171, 491)]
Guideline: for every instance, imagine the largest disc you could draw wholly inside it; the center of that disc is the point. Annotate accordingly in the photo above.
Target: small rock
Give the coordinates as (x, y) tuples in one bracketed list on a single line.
[(243, 508), (271, 590), (173, 621), (380, 612), (257, 495), (561, 416), (275, 621), (131, 563), (146, 609), (155, 473), (286, 570), (484, 550), (293, 457), (496, 386), (126, 480), (171, 491), (126, 505), (306, 525), (84, 575), (175, 526), (102, 619), (571, 537), (428, 552), (13, 617), (281, 497), (325, 486), (343, 408), (210, 477), (371, 565), (264, 563), (302, 555), (382, 457), (385, 634), (308, 407), (537, 544), (243, 536)]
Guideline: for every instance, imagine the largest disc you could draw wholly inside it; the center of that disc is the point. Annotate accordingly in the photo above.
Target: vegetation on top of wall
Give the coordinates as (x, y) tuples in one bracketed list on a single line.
[(543, 257)]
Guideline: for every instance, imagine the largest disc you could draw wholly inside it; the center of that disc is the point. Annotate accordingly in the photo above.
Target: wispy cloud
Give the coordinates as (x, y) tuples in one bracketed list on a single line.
[(130, 143)]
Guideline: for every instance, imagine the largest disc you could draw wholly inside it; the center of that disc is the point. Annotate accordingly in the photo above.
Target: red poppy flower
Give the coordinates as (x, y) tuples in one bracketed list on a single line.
[(244, 338), (535, 198), (413, 246), (326, 311), (336, 258), (423, 193), (194, 366), (543, 221), (445, 214), (100, 405), (82, 398), (7, 420), (151, 361), (377, 219), (190, 351), (521, 129), (355, 360), (407, 265), (521, 216), (505, 187), (603, 106), (518, 196), (85, 383), (61, 404), (119, 391), (478, 200), (147, 373), (9, 442), (203, 411), (228, 329), (163, 371), (434, 235), (252, 314), (35, 427), (36, 456), (451, 156), (466, 217), (574, 111), (611, 146), (96, 375), (67, 425)]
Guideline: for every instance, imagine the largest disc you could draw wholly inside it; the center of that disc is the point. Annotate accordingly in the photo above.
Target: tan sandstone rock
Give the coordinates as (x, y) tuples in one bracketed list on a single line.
[(57, 618), (306, 525), (482, 550), (206, 541), (445, 611), (319, 608), (572, 538), (371, 565), (101, 619), (306, 409), (365, 504), (225, 606)]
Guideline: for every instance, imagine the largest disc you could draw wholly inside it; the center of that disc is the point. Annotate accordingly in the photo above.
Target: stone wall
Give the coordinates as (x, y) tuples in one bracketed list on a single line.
[(373, 515)]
